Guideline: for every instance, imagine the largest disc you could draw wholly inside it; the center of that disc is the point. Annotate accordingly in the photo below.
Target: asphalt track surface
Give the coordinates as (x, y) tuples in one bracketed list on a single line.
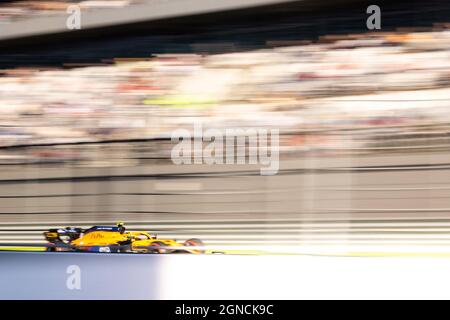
[(387, 202), (188, 277)]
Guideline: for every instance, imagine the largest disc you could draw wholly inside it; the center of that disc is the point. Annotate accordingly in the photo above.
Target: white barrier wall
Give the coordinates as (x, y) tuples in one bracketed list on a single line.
[(127, 276)]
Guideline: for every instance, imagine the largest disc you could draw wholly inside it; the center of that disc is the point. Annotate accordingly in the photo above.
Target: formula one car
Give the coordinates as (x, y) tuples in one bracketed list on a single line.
[(116, 239)]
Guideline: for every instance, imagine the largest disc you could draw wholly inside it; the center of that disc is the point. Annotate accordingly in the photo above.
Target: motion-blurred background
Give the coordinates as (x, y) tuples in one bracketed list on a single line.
[(86, 118)]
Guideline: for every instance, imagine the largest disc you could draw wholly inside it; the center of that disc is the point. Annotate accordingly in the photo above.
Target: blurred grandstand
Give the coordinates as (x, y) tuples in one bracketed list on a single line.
[(85, 125)]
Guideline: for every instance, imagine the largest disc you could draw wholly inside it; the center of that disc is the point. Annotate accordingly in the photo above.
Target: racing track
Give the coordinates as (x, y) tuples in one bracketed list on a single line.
[(105, 276), (329, 205)]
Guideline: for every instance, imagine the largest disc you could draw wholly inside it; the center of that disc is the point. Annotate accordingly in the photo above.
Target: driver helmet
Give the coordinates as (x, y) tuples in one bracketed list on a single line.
[(121, 226)]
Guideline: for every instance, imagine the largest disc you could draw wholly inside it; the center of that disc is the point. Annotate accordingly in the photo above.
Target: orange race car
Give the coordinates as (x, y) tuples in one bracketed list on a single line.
[(115, 239)]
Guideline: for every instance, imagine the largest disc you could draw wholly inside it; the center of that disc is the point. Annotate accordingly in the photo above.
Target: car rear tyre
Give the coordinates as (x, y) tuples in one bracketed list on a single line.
[(159, 250)]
